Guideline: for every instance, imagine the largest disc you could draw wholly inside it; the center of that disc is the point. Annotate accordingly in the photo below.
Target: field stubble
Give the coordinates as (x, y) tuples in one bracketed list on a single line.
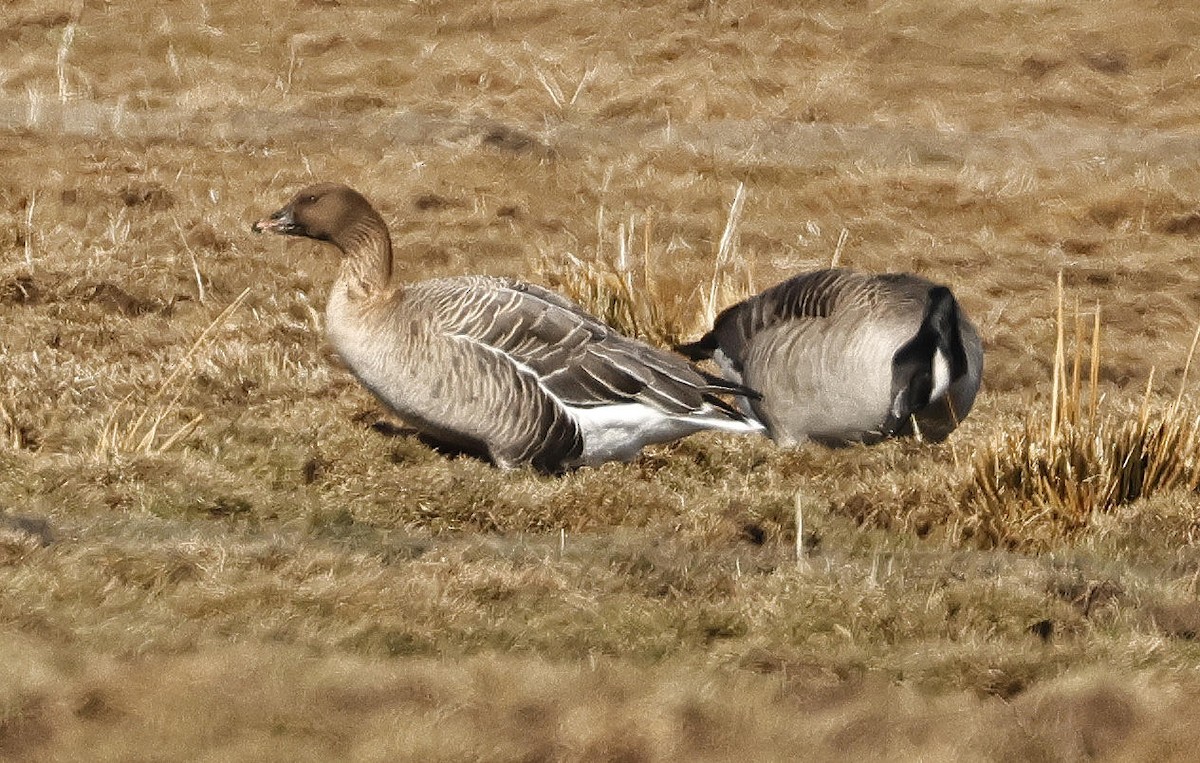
[(218, 542)]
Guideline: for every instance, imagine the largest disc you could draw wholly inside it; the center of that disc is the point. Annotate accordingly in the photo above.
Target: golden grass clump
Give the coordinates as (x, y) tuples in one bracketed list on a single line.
[(634, 301), (1035, 487), (614, 294)]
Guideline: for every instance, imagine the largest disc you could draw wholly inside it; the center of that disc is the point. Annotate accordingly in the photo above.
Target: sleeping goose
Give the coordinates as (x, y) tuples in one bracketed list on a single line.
[(502, 369), (839, 357)]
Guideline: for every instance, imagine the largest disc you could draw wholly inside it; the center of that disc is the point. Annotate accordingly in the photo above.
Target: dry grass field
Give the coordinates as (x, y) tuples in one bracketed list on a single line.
[(215, 546)]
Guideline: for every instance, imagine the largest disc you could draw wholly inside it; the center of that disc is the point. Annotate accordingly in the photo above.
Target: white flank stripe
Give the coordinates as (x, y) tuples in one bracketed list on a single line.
[(941, 375)]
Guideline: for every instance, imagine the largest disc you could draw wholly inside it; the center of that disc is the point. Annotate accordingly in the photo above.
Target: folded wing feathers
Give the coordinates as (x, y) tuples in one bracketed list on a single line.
[(576, 358), (537, 429), (812, 296), (815, 295)]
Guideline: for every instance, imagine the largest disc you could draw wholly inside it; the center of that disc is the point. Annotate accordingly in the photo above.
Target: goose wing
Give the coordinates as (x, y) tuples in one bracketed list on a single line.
[(574, 357), (814, 296), (811, 296)]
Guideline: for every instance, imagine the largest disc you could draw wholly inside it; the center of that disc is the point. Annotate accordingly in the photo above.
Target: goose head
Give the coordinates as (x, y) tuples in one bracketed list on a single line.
[(324, 211), (342, 216)]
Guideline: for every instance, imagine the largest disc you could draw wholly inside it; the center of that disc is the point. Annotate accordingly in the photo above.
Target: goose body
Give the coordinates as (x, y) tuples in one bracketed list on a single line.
[(840, 356), (497, 367)]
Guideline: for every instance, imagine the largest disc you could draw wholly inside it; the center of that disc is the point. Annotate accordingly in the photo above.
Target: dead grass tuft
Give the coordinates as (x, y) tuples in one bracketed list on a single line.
[(1048, 481), (142, 434), (626, 290)]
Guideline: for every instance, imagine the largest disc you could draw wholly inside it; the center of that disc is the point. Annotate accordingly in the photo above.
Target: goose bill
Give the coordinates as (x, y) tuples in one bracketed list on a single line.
[(281, 222)]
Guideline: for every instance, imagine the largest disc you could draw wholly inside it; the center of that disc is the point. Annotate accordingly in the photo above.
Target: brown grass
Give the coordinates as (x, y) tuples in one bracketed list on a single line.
[(217, 545)]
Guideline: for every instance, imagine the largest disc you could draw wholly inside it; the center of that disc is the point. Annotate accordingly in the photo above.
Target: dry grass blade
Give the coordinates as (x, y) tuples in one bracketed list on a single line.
[(64, 50), (10, 432), (1187, 366), (200, 291), (29, 230), (556, 92), (141, 435), (1094, 376), (798, 501), (723, 288), (1059, 362), (648, 277), (836, 259)]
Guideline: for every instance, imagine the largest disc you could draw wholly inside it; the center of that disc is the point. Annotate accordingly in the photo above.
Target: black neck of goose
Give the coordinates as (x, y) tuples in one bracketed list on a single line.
[(367, 250)]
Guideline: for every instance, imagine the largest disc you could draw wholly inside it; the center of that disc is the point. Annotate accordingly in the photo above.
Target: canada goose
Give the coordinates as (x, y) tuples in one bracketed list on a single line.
[(840, 357), (502, 369)]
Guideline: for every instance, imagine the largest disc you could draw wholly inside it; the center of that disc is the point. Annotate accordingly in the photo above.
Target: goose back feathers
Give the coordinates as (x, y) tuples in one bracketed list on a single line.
[(493, 366), (840, 357)]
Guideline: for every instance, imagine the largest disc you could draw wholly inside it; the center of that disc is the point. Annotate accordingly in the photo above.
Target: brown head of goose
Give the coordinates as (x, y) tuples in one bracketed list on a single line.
[(840, 357), (493, 366)]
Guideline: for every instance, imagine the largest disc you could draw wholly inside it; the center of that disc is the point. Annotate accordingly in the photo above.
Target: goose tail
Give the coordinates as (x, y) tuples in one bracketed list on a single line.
[(717, 385), (702, 349)]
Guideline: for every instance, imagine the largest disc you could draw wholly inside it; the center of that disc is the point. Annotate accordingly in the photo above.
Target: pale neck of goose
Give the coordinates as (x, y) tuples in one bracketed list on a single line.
[(366, 254)]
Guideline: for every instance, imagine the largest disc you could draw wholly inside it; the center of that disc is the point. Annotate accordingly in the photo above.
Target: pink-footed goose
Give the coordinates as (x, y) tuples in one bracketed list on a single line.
[(492, 366), (840, 357)]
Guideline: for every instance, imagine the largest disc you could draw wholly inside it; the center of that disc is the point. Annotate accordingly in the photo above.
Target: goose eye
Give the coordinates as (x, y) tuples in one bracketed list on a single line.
[(309, 199)]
